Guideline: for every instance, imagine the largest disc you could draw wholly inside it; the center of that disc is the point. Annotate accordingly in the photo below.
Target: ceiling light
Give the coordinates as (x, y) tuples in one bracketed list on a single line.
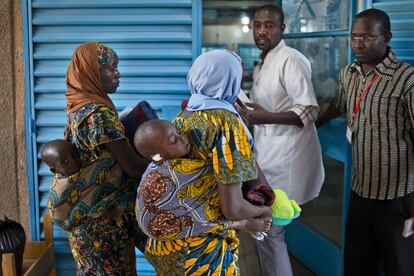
[(245, 20)]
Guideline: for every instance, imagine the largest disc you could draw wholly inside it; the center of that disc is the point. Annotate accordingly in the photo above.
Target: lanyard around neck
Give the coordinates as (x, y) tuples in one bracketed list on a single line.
[(364, 92)]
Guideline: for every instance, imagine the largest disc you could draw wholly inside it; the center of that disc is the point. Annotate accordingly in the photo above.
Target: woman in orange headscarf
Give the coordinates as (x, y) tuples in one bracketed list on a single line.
[(96, 205)]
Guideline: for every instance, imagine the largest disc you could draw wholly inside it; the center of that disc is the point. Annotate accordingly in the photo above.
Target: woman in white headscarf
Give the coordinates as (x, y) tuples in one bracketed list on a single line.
[(218, 138)]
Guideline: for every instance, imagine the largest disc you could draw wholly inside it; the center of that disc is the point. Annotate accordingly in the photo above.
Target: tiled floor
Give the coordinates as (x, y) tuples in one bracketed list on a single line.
[(299, 269), (249, 263), (323, 215)]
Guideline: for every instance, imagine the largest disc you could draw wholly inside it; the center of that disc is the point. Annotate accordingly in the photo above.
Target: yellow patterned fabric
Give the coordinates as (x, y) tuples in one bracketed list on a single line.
[(217, 138), (208, 254), (220, 136)]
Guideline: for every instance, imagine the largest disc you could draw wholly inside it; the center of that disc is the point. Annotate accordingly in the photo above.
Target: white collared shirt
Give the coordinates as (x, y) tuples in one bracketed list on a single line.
[(290, 156)]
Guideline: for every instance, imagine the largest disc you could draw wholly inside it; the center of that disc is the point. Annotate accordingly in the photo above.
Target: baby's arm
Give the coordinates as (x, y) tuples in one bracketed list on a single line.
[(251, 224)]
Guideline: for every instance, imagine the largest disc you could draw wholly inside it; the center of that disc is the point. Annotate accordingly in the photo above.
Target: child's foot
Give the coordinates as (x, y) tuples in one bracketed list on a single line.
[(257, 224)]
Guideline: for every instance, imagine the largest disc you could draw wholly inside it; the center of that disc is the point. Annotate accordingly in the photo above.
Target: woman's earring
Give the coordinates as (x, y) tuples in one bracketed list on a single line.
[(157, 158)]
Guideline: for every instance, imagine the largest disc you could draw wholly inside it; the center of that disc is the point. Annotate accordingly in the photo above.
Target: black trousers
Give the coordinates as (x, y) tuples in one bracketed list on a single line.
[(374, 243)]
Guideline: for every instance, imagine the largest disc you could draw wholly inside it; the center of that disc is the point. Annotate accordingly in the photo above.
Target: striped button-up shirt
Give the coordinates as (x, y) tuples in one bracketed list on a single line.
[(382, 127)]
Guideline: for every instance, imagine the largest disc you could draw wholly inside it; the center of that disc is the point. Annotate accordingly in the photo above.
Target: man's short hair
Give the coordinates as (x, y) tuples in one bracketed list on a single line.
[(379, 16), (273, 9)]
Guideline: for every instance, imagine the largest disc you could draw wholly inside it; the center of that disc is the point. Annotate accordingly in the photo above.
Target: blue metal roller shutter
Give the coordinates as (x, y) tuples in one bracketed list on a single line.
[(156, 42), (402, 25)]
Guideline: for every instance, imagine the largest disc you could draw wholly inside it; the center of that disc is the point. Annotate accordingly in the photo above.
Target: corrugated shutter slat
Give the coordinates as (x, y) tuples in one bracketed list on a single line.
[(155, 44), (401, 14)]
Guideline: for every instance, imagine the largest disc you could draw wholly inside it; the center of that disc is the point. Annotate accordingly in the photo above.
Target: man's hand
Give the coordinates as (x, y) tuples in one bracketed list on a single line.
[(330, 113), (253, 113)]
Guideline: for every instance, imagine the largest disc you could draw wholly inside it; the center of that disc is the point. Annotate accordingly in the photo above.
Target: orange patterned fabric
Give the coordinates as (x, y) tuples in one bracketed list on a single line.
[(83, 79)]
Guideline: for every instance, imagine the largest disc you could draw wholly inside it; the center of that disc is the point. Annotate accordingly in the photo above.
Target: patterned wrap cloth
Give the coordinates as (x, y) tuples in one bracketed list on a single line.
[(166, 206), (96, 206), (105, 54), (73, 198), (257, 191), (217, 136), (82, 204), (220, 153)]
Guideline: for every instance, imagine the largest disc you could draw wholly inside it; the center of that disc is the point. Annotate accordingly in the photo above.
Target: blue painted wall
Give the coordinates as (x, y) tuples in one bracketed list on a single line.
[(402, 26)]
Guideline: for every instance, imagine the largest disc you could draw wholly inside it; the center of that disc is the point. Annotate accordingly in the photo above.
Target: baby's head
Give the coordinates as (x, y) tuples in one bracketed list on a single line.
[(160, 140), (61, 157)]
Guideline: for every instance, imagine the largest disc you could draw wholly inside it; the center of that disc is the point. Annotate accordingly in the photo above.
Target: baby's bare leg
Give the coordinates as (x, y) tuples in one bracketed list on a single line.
[(252, 224)]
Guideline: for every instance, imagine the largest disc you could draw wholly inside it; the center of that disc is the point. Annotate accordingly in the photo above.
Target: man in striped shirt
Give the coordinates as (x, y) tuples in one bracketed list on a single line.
[(377, 91)]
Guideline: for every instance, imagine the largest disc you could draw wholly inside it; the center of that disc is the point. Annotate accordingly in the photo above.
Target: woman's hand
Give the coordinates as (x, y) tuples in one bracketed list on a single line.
[(125, 155), (235, 207)]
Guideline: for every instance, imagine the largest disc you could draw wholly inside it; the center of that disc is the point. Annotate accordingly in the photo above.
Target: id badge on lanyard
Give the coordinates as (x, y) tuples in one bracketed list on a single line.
[(358, 104), (349, 133)]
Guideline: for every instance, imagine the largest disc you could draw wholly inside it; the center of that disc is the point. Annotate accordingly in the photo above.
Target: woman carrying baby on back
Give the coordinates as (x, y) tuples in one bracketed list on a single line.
[(205, 186)]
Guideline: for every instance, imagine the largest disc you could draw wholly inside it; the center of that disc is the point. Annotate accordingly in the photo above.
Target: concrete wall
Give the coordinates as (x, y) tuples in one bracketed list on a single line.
[(14, 197)]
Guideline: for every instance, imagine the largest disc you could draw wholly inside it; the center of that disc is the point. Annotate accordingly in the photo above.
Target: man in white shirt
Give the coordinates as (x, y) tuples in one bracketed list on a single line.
[(283, 112)]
